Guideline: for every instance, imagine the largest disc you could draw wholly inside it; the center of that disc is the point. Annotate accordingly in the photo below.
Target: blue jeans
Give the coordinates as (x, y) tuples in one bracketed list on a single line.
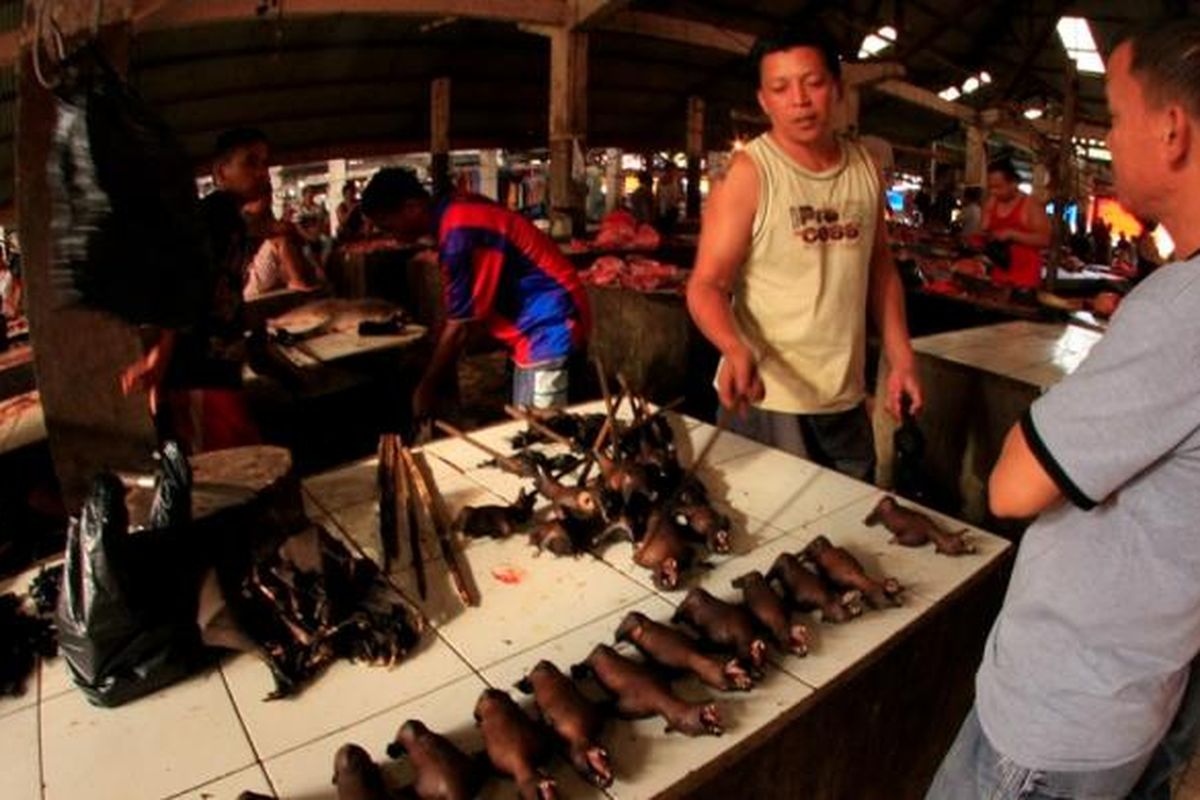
[(974, 770), (543, 385)]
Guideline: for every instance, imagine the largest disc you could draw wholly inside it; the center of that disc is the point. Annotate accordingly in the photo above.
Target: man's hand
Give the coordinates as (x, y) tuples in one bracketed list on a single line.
[(738, 382), (902, 381), (146, 373)]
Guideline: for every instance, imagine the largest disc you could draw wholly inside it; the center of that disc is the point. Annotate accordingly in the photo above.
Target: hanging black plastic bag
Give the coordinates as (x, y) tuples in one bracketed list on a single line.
[(125, 224), (172, 507), (908, 446), (125, 629)]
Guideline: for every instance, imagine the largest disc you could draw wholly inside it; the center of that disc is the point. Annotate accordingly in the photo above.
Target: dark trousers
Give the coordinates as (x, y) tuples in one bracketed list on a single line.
[(843, 440)]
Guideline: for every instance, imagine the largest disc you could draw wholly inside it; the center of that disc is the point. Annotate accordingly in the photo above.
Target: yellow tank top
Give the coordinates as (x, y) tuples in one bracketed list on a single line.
[(800, 301)]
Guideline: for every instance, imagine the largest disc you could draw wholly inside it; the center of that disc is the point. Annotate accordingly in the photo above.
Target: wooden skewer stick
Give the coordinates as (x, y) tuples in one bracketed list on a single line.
[(636, 402), (449, 554), (385, 476), (507, 462), (407, 507)]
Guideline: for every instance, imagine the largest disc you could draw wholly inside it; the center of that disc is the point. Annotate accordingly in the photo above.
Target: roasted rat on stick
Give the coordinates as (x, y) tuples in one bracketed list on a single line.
[(356, 776), (443, 772), (843, 569), (641, 692), (577, 720), (911, 528), (515, 746), (673, 648), (768, 608), (808, 591), (723, 624)]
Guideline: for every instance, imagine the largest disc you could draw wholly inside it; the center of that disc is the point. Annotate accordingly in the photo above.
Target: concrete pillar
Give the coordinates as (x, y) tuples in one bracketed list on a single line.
[(614, 188), (439, 134), (976, 174), (695, 152), (336, 171), (568, 130), (489, 173), (78, 354)]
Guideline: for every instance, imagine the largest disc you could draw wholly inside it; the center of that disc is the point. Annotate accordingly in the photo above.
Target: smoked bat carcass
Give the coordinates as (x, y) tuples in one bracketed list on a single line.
[(496, 521), (673, 648), (709, 526), (723, 624), (443, 772), (641, 692), (911, 528), (515, 746), (664, 549), (579, 501), (808, 592), (843, 569), (768, 608), (356, 776), (577, 720)]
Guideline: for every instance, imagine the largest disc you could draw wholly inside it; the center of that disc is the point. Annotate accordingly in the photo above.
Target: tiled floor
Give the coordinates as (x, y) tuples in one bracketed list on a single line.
[(214, 735)]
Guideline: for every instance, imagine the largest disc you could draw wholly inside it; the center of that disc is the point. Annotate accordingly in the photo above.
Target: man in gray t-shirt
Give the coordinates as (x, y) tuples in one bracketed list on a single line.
[(1086, 665)]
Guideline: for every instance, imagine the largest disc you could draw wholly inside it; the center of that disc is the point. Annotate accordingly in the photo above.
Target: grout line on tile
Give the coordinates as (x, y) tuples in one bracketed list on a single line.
[(223, 776), (38, 728), (583, 624), (245, 731), (347, 726)]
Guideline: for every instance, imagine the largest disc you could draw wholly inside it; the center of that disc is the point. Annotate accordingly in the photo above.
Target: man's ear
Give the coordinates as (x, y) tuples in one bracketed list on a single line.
[(1178, 136)]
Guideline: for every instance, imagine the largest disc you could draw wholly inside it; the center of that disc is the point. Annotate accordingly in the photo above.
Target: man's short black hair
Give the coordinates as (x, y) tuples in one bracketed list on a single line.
[(390, 188), (235, 139), (1006, 168), (807, 35), (1166, 62)]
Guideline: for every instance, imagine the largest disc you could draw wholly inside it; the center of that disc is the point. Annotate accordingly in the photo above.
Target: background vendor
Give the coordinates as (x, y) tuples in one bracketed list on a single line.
[(1016, 219), (499, 271)]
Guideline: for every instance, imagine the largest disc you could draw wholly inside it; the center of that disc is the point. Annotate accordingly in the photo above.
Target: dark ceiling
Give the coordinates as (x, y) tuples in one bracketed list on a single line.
[(345, 85)]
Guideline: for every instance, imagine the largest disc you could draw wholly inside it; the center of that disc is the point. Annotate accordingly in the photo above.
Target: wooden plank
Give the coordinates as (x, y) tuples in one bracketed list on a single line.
[(586, 13)]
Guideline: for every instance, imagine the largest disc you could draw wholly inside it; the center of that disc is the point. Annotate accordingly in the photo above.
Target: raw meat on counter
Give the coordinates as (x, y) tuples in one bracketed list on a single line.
[(636, 272)]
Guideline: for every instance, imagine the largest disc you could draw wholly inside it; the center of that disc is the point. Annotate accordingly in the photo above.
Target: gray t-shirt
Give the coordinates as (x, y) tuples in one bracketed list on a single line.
[(1086, 663)]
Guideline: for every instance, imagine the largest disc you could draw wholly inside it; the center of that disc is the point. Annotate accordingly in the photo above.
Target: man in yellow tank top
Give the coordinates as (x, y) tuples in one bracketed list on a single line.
[(793, 257)]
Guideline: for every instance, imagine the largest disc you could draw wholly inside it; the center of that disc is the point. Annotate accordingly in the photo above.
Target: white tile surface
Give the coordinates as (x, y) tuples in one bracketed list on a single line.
[(344, 694), (251, 779), (306, 771), (19, 775), (56, 678), (647, 759), (781, 489), (528, 598), (919, 569), (346, 486), (154, 747)]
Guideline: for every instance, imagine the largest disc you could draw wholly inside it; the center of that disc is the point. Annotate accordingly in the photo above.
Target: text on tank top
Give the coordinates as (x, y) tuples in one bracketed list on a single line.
[(801, 296)]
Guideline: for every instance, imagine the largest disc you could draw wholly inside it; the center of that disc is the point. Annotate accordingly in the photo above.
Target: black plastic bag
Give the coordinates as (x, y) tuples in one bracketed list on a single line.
[(124, 624), (126, 229), (172, 507)]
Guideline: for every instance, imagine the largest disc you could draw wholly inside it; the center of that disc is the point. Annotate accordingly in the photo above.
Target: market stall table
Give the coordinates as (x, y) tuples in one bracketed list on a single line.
[(977, 383), (16, 370), (867, 714)]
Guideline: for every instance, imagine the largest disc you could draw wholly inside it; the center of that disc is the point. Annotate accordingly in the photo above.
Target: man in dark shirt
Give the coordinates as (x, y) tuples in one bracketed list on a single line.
[(194, 376)]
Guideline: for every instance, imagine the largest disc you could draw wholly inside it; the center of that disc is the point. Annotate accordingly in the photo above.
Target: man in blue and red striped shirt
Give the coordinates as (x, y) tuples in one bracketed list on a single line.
[(499, 271)]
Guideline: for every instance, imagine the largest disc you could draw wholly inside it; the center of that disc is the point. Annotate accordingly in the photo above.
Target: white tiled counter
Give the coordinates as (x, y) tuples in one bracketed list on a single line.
[(977, 383), (213, 736)]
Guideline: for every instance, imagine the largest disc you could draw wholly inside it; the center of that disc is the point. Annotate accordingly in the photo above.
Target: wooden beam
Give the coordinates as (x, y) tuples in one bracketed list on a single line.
[(184, 13), (926, 99), (1035, 48), (677, 29), (589, 13), (695, 152)]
